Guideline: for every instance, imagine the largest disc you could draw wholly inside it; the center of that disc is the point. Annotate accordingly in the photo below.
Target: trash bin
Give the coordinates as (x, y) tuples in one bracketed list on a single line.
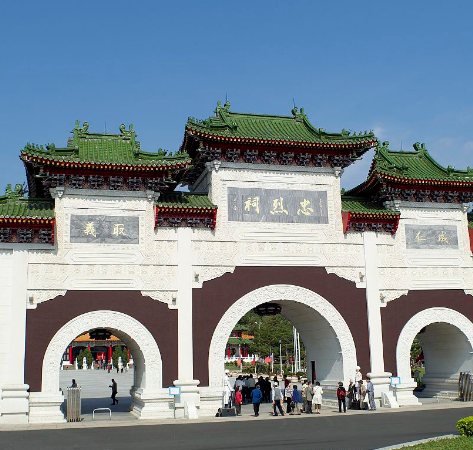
[(73, 404)]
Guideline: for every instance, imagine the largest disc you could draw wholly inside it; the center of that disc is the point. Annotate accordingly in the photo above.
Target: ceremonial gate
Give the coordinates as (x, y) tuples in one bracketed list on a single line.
[(169, 251)]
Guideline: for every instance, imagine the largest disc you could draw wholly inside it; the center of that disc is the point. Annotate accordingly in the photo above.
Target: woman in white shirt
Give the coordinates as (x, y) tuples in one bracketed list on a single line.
[(317, 397)]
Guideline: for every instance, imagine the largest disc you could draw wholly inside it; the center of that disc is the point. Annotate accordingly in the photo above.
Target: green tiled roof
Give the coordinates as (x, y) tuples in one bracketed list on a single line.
[(235, 340), (185, 200), (295, 128), (417, 165), (359, 205), (12, 205), (101, 148)]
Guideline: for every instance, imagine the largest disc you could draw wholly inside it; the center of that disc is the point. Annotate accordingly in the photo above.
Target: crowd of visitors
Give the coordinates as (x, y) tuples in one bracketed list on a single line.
[(304, 400)]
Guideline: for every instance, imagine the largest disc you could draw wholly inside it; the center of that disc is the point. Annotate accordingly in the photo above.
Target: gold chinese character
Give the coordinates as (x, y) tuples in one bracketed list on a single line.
[(90, 229), (118, 229), (278, 206), (305, 209), (443, 237), (252, 202), (419, 237)]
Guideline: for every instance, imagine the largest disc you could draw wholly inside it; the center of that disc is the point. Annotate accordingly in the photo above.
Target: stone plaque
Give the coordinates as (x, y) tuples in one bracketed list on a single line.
[(277, 205), (431, 236), (105, 229)]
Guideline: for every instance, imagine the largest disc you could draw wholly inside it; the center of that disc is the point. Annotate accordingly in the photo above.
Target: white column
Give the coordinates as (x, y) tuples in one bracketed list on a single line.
[(14, 395), (186, 404), (379, 377)]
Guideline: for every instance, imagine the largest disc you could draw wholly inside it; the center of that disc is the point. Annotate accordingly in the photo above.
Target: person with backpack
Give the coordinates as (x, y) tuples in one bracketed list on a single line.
[(341, 395), (277, 397)]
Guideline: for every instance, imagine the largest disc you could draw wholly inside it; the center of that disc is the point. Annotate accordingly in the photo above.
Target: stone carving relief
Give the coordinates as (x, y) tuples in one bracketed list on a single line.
[(168, 297), (35, 297), (388, 296), (421, 320), (275, 293), (112, 320)]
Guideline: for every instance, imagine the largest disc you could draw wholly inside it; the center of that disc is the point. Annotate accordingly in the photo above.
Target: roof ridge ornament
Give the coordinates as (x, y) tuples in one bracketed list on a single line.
[(420, 148), (15, 194), (298, 114)]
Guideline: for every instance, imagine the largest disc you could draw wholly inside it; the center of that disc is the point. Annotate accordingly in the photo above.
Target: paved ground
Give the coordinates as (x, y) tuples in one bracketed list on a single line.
[(95, 391), (333, 431)]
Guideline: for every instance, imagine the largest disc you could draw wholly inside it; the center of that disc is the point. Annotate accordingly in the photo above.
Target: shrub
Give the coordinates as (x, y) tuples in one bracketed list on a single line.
[(465, 426)]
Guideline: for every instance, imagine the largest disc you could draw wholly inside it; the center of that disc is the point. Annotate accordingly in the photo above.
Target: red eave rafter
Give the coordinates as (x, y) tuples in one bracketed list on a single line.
[(18, 222), (186, 212), (424, 182), (348, 218), (280, 142)]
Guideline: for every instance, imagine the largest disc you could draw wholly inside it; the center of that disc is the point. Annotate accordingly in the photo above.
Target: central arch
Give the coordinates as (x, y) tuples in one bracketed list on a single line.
[(279, 293)]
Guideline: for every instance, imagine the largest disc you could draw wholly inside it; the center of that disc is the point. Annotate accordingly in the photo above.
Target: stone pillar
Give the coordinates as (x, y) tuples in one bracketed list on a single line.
[(380, 378), (187, 403), (14, 391)]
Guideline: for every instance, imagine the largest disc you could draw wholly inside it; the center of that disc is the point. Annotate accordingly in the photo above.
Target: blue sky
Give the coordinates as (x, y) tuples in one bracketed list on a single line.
[(401, 68)]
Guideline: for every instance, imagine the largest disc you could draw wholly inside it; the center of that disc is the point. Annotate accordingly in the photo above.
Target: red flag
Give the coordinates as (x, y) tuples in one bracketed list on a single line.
[(239, 361), (254, 362), (268, 359)]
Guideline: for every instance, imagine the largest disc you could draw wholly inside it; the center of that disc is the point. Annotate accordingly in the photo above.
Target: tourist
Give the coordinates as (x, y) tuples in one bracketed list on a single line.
[(370, 392), (227, 390), (277, 397), (341, 394), (304, 397), (251, 385), (317, 398), (74, 384), (309, 393), (362, 395), (267, 390), (296, 401), (244, 389), (256, 397), (114, 391), (288, 396), (238, 400), (286, 381), (351, 394)]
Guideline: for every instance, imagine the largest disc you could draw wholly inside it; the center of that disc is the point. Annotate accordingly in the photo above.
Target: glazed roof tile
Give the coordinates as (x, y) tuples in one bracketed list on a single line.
[(295, 128), (105, 149), (13, 206), (362, 206), (185, 200)]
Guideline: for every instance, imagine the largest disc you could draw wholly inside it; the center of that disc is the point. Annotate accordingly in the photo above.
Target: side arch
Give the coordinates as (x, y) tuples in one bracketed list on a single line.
[(121, 324), (421, 320), (274, 293)]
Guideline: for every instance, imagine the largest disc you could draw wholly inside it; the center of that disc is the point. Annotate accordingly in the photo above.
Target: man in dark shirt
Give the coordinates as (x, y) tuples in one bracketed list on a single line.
[(256, 397), (114, 391)]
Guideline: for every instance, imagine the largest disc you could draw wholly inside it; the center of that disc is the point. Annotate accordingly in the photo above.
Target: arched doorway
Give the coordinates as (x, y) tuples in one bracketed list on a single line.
[(325, 334), (446, 337), (147, 383)]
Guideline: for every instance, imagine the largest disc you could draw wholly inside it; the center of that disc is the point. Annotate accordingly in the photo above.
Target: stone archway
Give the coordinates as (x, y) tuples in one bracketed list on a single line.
[(421, 320), (283, 293), (44, 406)]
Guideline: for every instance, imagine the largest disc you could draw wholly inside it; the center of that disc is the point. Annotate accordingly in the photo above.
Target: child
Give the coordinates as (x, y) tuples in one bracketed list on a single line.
[(341, 395)]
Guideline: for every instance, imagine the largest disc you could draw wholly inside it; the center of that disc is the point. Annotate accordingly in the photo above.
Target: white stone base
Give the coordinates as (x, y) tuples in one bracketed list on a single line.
[(435, 385), (186, 405), (405, 393), (14, 403), (46, 408), (211, 399), (152, 405), (382, 385)]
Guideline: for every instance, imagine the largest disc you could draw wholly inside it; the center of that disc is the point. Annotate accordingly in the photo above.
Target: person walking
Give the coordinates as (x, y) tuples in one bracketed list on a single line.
[(309, 394), (296, 401), (238, 400), (256, 397), (277, 397), (341, 395), (114, 387), (317, 397), (370, 392), (288, 396)]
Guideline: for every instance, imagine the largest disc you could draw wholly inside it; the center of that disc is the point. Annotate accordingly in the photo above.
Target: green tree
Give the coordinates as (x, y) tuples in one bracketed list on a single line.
[(416, 349), (118, 351), (88, 355)]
